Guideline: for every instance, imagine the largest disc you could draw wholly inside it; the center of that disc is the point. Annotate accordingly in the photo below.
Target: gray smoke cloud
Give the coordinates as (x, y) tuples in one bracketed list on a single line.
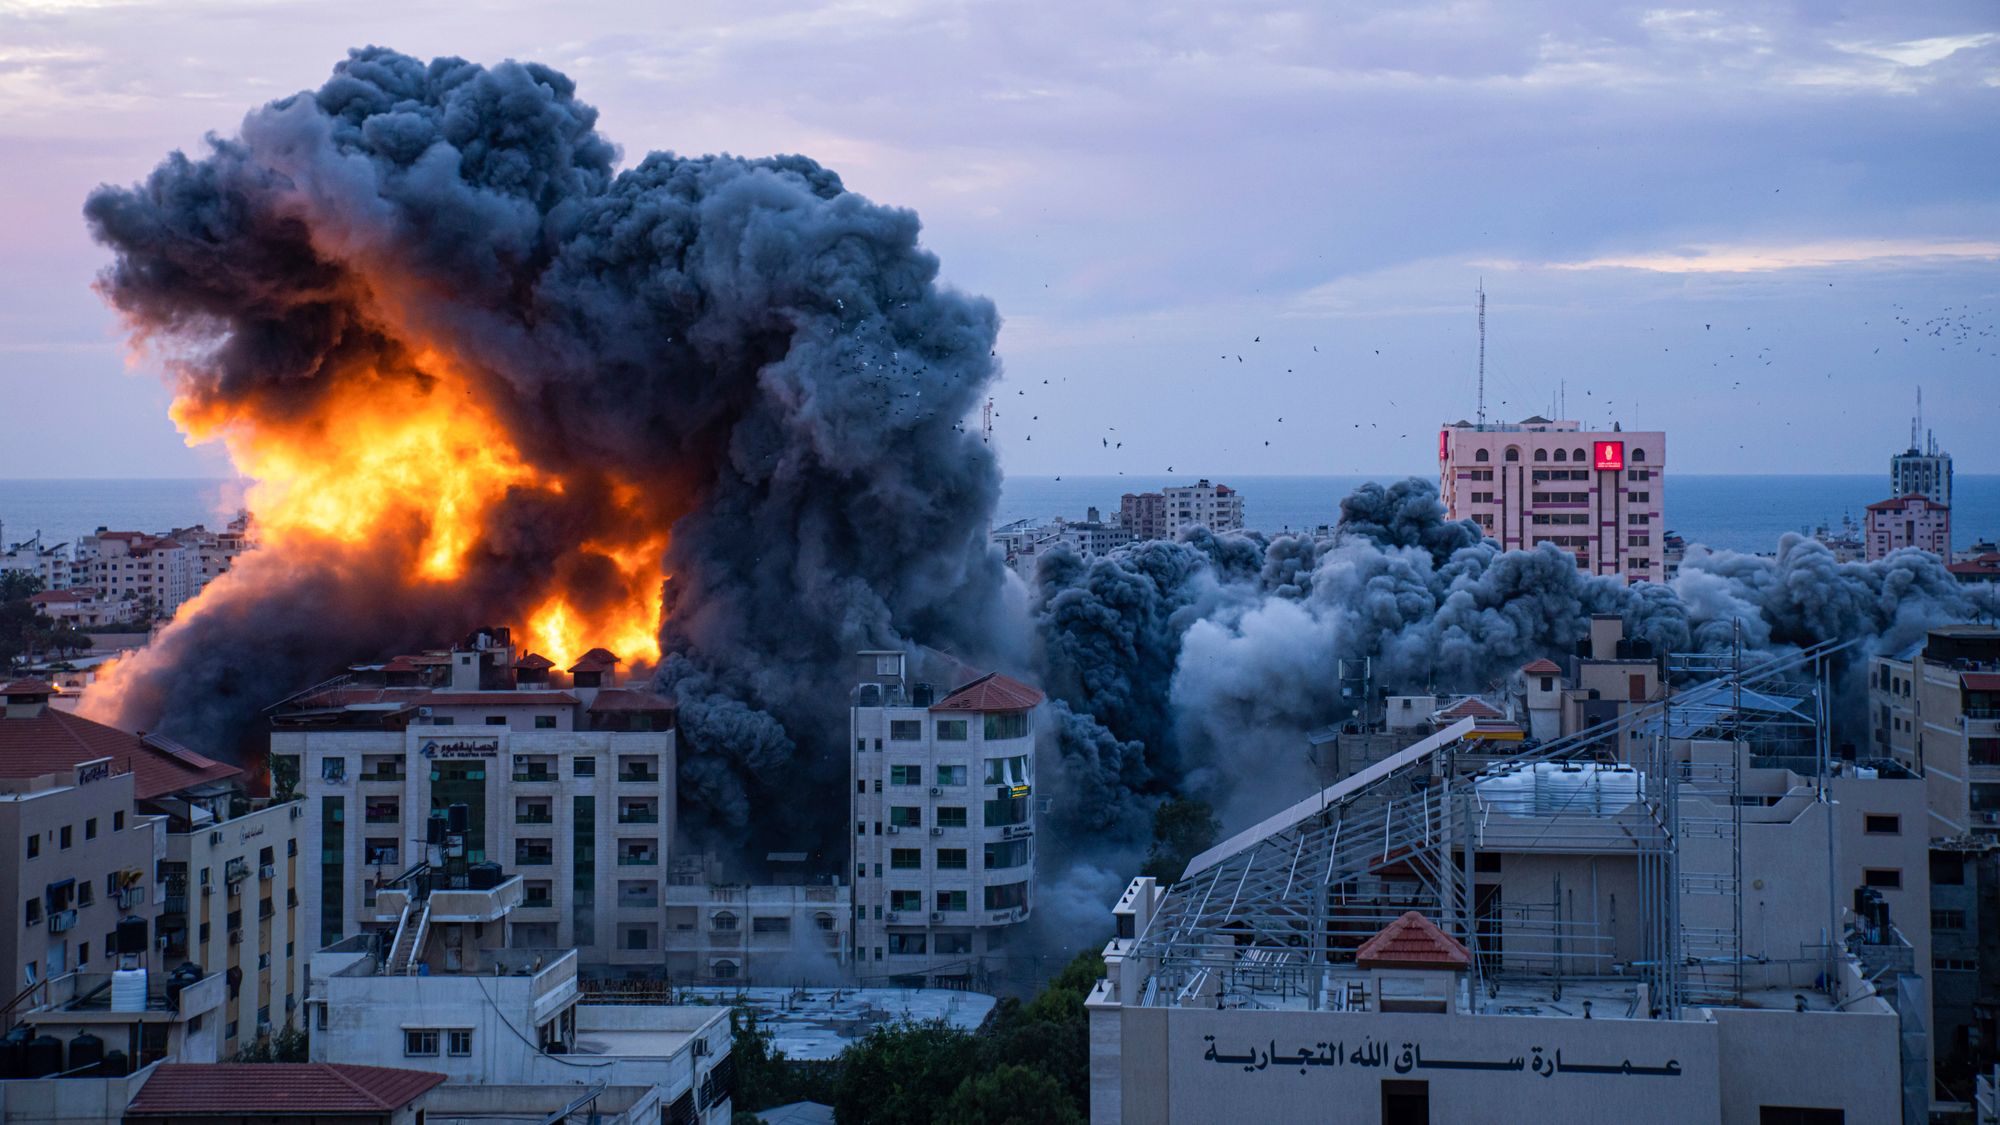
[(1252, 633), (769, 357)]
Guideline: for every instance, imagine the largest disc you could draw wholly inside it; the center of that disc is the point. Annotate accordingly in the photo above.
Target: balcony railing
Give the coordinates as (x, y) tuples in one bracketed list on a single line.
[(629, 859), (534, 859), (534, 817), (639, 776), (638, 816), (533, 775), (639, 902), (384, 775)]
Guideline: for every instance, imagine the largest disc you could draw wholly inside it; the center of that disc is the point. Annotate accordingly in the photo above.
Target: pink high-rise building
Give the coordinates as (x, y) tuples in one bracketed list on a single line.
[(1597, 495), (1915, 520)]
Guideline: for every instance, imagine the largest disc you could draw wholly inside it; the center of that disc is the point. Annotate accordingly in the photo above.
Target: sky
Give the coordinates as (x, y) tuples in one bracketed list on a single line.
[(1237, 238)]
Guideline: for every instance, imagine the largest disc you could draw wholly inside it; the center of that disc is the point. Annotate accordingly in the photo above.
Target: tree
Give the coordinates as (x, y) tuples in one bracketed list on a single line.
[(288, 1045), (1050, 1034), (19, 585), (67, 640), (1011, 1095), (1182, 829), (903, 1073)]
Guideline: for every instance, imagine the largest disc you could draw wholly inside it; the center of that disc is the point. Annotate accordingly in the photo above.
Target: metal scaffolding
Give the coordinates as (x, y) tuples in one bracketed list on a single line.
[(1264, 917)]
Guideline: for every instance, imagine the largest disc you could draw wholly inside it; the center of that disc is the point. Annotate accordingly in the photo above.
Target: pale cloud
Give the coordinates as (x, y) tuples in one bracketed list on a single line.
[(1765, 259)]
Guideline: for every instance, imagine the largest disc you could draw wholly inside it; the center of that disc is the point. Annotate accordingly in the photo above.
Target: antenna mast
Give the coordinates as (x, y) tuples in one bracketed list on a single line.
[(1482, 352)]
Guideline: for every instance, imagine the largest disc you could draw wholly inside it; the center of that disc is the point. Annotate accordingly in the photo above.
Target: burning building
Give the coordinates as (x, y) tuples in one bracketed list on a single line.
[(477, 373)]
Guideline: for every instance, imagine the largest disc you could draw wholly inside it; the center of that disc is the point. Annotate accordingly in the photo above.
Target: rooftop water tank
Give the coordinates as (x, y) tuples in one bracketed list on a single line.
[(85, 1051), (128, 990)]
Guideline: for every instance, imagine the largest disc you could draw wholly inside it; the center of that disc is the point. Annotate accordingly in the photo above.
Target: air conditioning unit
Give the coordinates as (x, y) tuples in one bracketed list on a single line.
[(268, 871), (937, 915), (423, 712), (215, 839), (893, 829), (937, 830), (890, 916), (937, 791)]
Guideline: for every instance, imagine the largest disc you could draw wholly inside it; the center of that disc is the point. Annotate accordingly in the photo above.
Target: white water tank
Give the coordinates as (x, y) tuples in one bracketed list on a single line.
[(128, 990)]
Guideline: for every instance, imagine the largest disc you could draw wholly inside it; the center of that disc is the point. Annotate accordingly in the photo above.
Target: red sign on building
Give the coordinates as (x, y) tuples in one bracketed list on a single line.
[(1610, 454), (1444, 444)]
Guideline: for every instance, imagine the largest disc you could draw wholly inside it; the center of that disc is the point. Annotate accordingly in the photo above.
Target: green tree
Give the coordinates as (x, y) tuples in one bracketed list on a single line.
[(1182, 829), (19, 585), (1050, 1034), (287, 1045), (1011, 1095), (903, 1073)]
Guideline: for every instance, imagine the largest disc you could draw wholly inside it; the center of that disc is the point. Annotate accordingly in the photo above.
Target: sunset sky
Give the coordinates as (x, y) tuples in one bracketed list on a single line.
[(1757, 227)]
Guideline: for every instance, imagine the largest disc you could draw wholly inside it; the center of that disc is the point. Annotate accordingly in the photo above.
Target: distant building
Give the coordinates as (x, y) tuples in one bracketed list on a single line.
[(261, 1093), (1024, 542), (1599, 496), (944, 822), (1158, 515), (1982, 567), (723, 932), (1935, 708), (1912, 520), (83, 607), (1924, 471)]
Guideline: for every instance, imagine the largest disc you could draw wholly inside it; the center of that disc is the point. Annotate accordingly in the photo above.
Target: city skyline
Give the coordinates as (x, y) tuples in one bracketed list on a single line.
[(1149, 195)]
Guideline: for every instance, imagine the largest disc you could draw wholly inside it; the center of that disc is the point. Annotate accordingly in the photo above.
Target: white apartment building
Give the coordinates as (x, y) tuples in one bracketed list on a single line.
[(509, 1027), (151, 569), (723, 932), (1216, 507), (566, 781), (944, 822), (1597, 495)]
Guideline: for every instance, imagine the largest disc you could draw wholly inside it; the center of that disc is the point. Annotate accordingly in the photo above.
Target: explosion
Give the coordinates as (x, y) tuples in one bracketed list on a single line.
[(479, 375)]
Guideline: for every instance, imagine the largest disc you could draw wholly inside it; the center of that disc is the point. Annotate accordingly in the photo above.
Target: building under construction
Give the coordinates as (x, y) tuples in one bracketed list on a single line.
[(1663, 914)]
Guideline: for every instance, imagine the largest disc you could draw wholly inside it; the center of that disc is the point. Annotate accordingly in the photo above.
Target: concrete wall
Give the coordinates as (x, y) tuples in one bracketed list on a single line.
[(1833, 1060)]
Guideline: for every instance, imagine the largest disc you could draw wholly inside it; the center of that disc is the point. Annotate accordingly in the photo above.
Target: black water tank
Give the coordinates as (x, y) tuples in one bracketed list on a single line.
[(461, 819), (131, 934), (13, 1052), (922, 696), (435, 829), (42, 1057), (484, 876), (188, 973), (86, 1050), (871, 696), (115, 1064)]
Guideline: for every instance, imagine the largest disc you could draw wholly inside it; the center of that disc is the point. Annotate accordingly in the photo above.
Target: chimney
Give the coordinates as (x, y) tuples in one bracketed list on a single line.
[(26, 699)]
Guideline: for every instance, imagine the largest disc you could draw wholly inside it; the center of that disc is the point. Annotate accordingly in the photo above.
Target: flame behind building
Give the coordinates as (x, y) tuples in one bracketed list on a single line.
[(476, 373)]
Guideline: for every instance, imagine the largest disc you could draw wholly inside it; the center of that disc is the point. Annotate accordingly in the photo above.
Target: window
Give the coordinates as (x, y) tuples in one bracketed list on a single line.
[(1889, 878), (90, 829), (636, 938), (585, 766), (951, 816), (1562, 456), (1576, 455), (951, 943), (1007, 896), (860, 786), (951, 775), (1009, 724), (1947, 919), (118, 822), (906, 943), (906, 900), (1799, 1115), (951, 730), (1481, 455), (496, 720), (906, 730), (906, 775), (906, 859), (63, 838), (951, 859), (1011, 853), (86, 893), (1001, 812), (778, 924), (906, 816), (34, 845), (1513, 453), (1638, 455), (545, 722), (1947, 870), (333, 769), (1882, 824), (83, 954), (951, 900), (32, 912), (420, 1041), (1007, 771), (1541, 454), (724, 970)]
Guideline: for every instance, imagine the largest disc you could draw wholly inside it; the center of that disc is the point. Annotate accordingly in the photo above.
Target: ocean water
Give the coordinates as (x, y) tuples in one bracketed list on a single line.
[(1742, 513)]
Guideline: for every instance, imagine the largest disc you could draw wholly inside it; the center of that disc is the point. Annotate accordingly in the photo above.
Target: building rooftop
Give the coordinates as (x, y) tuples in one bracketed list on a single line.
[(200, 1091), (1412, 942), (1542, 667), (630, 699), (53, 741), (819, 1023), (596, 660), (991, 692), (1906, 501)]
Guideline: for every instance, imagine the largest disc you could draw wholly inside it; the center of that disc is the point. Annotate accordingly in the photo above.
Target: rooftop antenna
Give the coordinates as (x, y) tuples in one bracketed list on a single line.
[(1482, 353), (1917, 422)]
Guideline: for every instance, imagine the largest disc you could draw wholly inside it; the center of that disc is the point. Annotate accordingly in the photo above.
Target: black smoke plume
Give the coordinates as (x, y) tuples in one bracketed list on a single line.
[(769, 358)]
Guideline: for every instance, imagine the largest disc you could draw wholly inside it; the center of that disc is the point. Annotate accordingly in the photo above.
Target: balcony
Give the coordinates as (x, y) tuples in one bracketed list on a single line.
[(537, 900), (534, 859), (638, 859), (61, 921), (534, 775), (639, 777), (638, 815), (395, 775), (533, 816), (382, 814)]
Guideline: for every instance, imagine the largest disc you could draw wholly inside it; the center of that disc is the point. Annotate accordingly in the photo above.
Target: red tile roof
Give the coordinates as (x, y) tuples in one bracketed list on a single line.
[(1901, 502), (1471, 707), (54, 741), (1412, 942), (596, 660), (27, 687), (73, 594), (991, 692), (534, 660), (1543, 667), (203, 1090), (630, 699)]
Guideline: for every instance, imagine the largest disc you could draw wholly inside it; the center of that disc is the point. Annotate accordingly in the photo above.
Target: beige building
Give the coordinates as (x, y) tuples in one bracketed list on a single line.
[(779, 933), (564, 779), (943, 810), (1600, 496), (1935, 708), (1159, 515)]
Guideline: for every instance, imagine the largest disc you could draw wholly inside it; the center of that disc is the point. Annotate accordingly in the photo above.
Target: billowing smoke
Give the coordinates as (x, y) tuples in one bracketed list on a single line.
[(1250, 635), (565, 379)]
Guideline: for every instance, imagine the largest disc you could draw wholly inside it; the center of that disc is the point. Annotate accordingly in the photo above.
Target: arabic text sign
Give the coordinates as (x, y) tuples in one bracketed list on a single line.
[(1407, 1057)]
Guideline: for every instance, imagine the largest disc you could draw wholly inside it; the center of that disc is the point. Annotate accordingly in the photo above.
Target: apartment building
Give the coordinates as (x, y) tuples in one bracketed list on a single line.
[(82, 607), (944, 821), (154, 570), (1935, 709), (1158, 515), (510, 1027), (565, 778), (1908, 521), (1144, 514), (1598, 495), (722, 931)]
